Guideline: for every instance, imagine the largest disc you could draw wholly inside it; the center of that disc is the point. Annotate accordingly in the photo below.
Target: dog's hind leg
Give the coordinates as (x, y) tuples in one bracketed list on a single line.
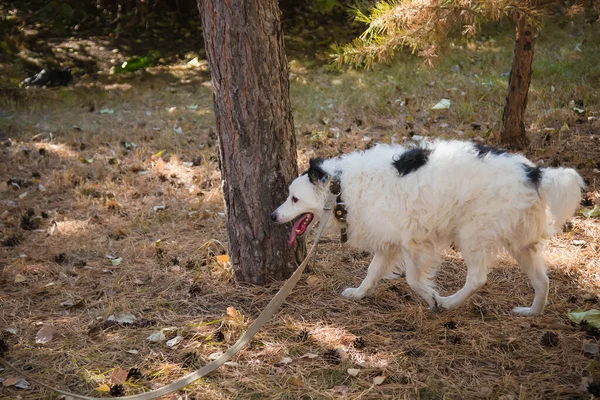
[(477, 268), (380, 265), (532, 262)]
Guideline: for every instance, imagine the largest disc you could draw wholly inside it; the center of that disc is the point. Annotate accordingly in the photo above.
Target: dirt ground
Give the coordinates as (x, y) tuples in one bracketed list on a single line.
[(112, 224)]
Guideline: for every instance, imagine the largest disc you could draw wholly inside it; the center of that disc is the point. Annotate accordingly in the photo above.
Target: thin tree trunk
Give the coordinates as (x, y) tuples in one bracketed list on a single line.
[(513, 127), (257, 143)]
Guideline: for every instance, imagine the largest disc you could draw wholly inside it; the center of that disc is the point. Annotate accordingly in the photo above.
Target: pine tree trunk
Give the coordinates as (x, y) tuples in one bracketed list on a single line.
[(513, 134), (257, 143)]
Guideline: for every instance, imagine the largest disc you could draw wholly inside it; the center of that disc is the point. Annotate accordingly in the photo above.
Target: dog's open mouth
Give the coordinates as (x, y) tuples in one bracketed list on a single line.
[(300, 226)]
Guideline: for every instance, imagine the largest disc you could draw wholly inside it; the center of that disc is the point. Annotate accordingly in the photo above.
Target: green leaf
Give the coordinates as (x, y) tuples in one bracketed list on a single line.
[(116, 261), (591, 212), (591, 317)]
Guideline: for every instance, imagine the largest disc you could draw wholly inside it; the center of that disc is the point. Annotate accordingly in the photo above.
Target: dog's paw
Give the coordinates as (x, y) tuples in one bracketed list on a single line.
[(444, 303), (353, 293), (525, 311)]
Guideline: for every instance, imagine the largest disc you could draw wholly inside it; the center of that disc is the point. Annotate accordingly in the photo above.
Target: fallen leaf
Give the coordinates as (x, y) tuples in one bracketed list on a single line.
[(285, 360), (119, 376), (13, 331), (22, 384), (223, 260), (591, 212), (591, 317), (112, 204), (178, 130), (45, 334), (312, 280), (132, 351), (20, 278), (232, 312), (214, 356), (353, 371), (10, 381), (125, 318), (310, 356), (157, 155), (103, 388), (175, 341), (590, 348), (378, 380), (116, 261), (443, 104), (157, 337), (295, 381), (23, 195)]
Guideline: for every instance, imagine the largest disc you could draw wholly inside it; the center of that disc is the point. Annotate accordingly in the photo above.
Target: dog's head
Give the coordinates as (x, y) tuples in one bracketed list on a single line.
[(305, 201)]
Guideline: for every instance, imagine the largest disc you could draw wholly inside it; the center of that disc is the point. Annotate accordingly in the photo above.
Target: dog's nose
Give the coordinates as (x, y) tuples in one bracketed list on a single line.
[(274, 216)]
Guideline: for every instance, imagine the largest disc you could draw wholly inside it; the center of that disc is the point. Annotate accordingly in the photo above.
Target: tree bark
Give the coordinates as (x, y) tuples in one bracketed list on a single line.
[(513, 134), (257, 142)]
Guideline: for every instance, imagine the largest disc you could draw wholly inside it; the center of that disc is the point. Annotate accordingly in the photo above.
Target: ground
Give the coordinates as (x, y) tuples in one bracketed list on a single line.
[(110, 205)]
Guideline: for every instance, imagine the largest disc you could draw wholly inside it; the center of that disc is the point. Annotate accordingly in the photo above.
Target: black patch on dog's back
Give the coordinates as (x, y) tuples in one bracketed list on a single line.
[(411, 160), (315, 172), (483, 150), (534, 174)]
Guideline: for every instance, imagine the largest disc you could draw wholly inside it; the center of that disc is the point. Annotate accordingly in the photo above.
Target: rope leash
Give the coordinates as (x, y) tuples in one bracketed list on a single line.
[(252, 330)]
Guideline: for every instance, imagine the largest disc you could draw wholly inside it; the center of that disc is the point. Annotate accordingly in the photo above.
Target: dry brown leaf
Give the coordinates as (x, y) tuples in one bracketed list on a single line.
[(378, 380), (295, 381), (20, 278), (10, 381), (45, 334), (113, 205), (119, 376), (232, 312), (312, 280)]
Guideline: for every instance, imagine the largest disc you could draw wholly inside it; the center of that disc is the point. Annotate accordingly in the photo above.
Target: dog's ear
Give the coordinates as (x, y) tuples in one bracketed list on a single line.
[(315, 172)]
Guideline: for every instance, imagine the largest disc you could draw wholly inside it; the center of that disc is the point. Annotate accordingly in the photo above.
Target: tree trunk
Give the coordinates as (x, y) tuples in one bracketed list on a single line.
[(513, 127), (257, 143)]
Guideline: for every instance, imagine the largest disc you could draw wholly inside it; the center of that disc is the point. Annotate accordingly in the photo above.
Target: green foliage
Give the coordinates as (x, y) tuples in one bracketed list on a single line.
[(591, 317), (420, 26), (137, 63), (324, 6)]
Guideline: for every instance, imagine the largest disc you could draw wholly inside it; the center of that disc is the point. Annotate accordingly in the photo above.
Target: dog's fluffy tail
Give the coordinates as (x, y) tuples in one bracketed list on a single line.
[(560, 189)]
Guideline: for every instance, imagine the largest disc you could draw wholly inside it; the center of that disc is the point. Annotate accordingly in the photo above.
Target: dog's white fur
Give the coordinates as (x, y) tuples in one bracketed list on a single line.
[(481, 204)]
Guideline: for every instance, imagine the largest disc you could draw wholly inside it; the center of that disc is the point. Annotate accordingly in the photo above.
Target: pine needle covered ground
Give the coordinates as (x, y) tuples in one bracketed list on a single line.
[(111, 226)]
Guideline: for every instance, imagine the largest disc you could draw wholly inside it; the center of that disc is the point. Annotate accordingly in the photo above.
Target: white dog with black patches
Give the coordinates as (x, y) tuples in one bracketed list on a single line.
[(406, 204)]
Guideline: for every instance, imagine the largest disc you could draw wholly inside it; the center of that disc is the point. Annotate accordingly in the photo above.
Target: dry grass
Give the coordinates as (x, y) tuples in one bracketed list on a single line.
[(98, 196)]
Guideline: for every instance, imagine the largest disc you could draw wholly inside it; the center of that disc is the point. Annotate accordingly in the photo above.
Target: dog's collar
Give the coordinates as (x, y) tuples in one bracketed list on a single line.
[(339, 210)]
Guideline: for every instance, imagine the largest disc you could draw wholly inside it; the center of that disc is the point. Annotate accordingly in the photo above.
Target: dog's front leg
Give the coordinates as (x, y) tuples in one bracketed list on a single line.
[(378, 267)]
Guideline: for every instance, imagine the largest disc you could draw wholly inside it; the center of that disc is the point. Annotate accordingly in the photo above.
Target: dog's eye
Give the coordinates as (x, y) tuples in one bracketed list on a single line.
[(294, 199)]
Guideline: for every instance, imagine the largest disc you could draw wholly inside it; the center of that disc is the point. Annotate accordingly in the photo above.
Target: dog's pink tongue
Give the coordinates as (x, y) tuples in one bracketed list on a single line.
[(295, 228)]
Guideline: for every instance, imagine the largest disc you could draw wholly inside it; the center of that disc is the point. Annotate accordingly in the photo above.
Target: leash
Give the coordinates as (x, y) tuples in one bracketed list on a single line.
[(263, 318)]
